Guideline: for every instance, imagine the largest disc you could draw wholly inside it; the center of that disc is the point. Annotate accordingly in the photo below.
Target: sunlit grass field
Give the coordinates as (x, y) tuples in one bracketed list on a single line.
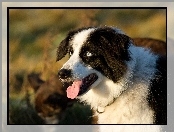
[(34, 35)]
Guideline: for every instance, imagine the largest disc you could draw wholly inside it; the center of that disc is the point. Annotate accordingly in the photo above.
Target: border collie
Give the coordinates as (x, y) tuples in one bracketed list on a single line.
[(123, 83)]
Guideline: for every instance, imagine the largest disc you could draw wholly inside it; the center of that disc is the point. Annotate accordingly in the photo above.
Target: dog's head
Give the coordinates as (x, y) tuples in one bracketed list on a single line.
[(95, 54), (50, 98)]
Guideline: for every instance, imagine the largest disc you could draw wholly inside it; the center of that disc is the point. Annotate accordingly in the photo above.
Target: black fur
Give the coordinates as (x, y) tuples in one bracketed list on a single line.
[(63, 48), (158, 93), (109, 52)]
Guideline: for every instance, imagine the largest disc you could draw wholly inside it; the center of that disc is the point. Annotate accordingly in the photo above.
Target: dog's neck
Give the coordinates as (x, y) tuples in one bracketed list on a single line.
[(118, 88)]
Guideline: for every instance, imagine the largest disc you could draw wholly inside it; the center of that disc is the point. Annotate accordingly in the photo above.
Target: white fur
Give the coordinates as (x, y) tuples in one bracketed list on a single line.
[(124, 102), (80, 38)]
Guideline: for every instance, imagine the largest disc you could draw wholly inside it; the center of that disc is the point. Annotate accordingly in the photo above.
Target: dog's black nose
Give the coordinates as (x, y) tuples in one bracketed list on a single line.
[(64, 73)]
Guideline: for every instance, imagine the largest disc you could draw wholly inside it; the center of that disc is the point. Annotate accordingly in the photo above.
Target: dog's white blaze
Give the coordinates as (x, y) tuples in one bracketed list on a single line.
[(80, 38), (74, 62)]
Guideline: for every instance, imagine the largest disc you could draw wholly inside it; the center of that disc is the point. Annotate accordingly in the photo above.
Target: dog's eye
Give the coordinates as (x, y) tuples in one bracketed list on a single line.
[(88, 54)]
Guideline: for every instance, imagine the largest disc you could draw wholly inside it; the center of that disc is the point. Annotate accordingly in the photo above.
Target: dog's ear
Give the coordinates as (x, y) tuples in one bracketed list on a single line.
[(116, 54), (62, 49), (35, 81)]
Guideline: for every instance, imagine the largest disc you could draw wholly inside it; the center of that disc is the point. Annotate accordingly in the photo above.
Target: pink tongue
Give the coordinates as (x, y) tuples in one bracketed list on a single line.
[(72, 91)]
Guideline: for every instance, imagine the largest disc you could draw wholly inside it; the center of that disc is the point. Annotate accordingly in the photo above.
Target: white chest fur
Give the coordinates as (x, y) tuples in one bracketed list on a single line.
[(130, 108)]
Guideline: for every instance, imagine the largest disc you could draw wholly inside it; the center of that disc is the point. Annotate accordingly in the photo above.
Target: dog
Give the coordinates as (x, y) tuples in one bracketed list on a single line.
[(124, 83), (155, 46), (50, 98)]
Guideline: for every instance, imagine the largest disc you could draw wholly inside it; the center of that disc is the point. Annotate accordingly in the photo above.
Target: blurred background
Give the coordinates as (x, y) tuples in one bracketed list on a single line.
[(34, 35)]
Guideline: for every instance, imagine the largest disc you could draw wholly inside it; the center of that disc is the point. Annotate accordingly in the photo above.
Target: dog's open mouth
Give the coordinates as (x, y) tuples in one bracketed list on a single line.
[(80, 87)]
